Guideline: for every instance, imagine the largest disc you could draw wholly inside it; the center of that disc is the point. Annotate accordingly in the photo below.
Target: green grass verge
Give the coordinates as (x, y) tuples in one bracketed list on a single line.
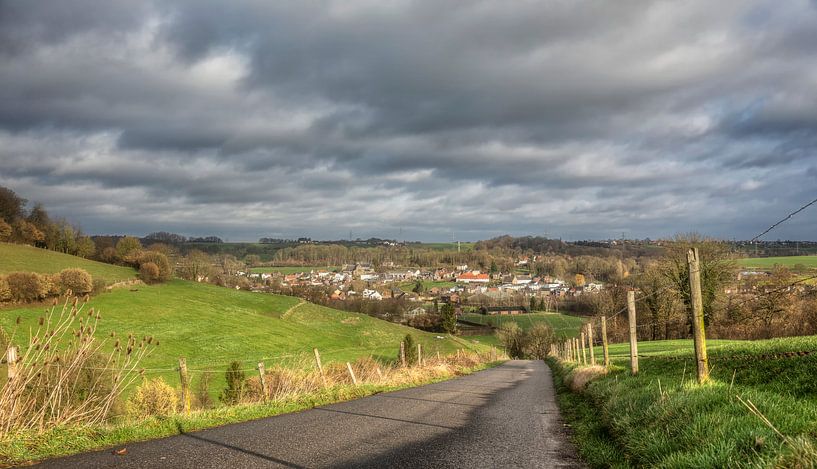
[(20, 258), (63, 441), (563, 325), (662, 418), (211, 326)]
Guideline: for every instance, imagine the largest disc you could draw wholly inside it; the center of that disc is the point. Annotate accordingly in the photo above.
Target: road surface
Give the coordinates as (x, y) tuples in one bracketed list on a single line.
[(502, 417)]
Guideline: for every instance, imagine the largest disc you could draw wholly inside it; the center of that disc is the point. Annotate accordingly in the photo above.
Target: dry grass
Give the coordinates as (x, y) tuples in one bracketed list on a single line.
[(579, 378), (63, 377), (303, 378)]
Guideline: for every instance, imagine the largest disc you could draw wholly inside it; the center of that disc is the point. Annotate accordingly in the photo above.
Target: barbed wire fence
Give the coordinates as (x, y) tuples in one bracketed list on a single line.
[(574, 349)]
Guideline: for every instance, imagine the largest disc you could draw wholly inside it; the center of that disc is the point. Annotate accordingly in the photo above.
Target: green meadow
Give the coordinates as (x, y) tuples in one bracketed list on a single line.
[(20, 258)]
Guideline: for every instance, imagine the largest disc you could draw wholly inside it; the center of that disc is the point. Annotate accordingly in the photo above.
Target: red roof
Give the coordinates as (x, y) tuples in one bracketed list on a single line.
[(471, 276)]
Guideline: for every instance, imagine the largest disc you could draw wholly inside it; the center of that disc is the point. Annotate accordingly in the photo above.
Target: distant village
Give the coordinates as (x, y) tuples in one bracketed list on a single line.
[(459, 285)]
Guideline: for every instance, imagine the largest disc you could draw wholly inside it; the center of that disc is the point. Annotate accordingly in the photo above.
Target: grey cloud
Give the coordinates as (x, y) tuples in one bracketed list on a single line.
[(581, 119)]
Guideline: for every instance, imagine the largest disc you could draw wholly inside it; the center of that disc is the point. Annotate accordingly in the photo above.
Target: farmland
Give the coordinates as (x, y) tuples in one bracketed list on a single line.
[(16, 257), (212, 326), (807, 262), (633, 420)]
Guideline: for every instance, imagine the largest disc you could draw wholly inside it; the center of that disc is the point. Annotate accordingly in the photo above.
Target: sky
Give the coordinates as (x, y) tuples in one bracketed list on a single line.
[(421, 120)]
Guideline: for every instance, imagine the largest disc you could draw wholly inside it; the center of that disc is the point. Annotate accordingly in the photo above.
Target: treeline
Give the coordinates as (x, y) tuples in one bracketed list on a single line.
[(36, 228), (533, 245), (754, 307)]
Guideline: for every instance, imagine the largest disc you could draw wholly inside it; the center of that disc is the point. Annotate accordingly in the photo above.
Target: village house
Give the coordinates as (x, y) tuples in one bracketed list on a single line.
[(473, 277)]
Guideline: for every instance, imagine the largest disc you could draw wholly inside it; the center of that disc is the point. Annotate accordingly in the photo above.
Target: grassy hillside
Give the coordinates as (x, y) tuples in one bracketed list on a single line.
[(212, 326), (635, 420), (808, 262), (562, 324), (16, 257)]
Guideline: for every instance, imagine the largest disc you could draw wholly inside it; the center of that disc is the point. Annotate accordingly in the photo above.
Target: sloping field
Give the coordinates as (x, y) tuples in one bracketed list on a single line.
[(211, 326), (20, 258)]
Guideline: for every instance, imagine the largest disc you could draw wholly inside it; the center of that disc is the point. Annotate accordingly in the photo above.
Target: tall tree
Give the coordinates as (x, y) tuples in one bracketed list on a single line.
[(12, 206), (449, 318)]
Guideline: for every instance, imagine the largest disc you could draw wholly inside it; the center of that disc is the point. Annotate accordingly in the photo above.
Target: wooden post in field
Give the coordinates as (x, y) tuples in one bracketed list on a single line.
[(262, 372), (403, 354), (351, 373), (185, 384), (584, 351), (699, 334), (439, 360), (419, 355), (590, 343), (320, 366), (576, 350), (633, 338), (379, 373), (604, 341), (11, 361)]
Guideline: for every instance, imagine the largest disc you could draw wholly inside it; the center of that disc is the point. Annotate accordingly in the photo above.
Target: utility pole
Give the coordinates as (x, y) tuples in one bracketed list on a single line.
[(696, 298)]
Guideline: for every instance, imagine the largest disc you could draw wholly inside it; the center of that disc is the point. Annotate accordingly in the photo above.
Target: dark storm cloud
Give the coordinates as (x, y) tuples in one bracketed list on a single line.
[(582, 119)]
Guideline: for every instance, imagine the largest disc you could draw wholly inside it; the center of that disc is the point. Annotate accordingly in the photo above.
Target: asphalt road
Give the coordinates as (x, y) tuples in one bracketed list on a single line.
[(502, 417)]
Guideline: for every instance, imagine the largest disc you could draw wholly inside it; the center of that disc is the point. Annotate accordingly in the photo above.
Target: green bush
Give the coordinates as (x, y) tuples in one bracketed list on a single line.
[(78, 281), (234, 391), (411, 349), (152, 398)]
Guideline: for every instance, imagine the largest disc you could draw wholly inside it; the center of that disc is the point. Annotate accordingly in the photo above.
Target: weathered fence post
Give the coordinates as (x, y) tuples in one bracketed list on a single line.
[(576, 350), (351, 373), (419, 355), (320, 366), (604, 341), (584, 351), (185, 384), (633, 339), (590, 343), (699, 333), (11, 361), (262, 372), (379, 373), (403, 354)]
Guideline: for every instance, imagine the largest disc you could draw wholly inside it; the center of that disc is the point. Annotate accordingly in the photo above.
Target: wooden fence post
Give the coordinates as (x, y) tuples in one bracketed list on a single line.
[(11, 361), (584, 351), (604, 341), (379, 373), (320, 366), (438, 357), (576, 350), (351, 373), (185, 384), (699, 333), (590, 343), (262, 371), (419, 355), (403, 354), (633, 339)]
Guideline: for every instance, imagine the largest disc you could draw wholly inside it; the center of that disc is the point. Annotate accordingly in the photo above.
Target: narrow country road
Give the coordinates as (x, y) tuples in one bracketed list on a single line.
[(501, 417)]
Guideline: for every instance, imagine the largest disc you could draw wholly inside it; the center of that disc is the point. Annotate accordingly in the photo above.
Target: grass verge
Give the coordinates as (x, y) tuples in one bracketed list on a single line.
[(663, 418), (63, 441)]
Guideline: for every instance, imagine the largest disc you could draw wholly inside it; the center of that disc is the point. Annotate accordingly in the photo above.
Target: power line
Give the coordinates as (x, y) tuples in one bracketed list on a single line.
[(784, 219)]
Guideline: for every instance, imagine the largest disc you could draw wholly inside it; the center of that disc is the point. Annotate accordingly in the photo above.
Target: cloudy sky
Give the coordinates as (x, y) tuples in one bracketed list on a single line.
[(249, 118)]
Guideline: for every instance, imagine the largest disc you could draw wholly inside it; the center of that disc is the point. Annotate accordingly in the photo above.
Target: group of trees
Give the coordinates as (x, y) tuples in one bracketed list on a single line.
[(526, 343), (36, 228)]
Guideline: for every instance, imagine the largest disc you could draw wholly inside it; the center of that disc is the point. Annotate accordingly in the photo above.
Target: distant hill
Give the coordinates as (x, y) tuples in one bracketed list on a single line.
[(21, 258)]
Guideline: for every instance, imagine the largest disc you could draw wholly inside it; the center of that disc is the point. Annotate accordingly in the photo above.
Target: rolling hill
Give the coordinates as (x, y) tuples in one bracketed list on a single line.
[(211, 326), (21, 258)]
